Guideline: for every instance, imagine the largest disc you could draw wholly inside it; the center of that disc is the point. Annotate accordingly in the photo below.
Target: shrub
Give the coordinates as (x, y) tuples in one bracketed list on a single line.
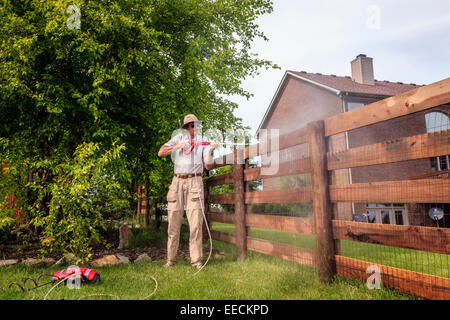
[(68, 209)]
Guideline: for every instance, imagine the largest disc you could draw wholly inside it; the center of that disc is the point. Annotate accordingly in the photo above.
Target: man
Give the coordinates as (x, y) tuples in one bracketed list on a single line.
[(186, 189)]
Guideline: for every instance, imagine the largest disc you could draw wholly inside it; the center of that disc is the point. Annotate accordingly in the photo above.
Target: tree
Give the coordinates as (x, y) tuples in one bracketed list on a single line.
[(115, 76)]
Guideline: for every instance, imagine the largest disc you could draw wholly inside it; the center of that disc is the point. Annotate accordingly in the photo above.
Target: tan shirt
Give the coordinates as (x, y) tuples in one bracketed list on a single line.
[(184, 164)]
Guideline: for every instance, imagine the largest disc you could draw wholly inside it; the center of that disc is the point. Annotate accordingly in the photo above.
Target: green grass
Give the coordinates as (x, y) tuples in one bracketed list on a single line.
[(259, 277), (414, 260)]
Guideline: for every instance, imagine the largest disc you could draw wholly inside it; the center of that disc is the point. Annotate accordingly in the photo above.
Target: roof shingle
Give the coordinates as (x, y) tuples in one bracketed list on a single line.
[(347, 84)]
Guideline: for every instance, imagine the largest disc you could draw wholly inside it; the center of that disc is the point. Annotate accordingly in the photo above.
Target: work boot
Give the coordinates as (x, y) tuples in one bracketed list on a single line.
[(198, 265)]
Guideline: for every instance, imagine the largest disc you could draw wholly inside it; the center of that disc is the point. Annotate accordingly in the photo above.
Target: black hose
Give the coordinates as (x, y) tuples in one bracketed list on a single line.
[(17, 284), (35, 282), (30, 278), (43, 274)]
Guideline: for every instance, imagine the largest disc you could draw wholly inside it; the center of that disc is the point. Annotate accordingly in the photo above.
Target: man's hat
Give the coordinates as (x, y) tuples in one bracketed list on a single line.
[(188, 119)]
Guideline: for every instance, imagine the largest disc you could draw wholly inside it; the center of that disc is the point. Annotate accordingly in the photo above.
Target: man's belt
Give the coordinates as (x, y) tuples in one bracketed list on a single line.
[(185, 176)]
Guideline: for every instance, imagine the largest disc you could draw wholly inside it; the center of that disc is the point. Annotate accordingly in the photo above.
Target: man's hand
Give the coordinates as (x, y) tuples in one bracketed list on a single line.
[(166, 150), (185, 145), (214, 145), (209, 158)]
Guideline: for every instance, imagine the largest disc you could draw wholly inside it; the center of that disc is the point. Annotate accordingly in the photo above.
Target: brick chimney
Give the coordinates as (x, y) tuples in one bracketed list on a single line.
[(362, 70)]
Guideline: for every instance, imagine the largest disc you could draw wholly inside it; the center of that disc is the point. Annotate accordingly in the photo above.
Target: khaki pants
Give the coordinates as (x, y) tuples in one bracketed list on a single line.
[(185, 192)]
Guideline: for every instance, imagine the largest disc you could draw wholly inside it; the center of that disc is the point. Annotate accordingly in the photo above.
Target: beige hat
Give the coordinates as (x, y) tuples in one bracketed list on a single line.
[(188, 119)]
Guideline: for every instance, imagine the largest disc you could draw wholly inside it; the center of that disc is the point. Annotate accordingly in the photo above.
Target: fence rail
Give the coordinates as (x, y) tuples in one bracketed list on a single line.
[(416, 283), (287, 224), (419, 99), (407, 191), (328, 257), (411, 148), (283, 251), (284, 169), (411, 237)]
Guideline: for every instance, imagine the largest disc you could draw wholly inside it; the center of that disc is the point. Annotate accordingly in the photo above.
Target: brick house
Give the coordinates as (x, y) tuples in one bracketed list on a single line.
[(303, 97)]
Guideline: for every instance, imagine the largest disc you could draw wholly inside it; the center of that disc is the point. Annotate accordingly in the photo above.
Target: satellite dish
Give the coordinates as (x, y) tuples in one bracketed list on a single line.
[(436, 214), (371, 216), (358, 218)]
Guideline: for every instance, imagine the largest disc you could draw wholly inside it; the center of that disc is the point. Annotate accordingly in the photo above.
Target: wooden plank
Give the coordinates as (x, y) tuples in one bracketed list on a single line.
[(226, 198), (411, 237), (286, 140), (416, 147), (282, 251), (139, 203), (222, 217), (323, 213), (294, 138), (246, 189), (279, 196), (286, 168), (402, 104), (436, 174), (218, 180), (239, 205), (251, 151), (282, 223), (223, 236), (404, 191), (416, 283)]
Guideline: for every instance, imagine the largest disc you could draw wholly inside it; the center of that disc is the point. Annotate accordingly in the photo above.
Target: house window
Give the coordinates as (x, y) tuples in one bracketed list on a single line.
[(437, 121), (354, 105), (398, 217), (386, 213), (440, 163)]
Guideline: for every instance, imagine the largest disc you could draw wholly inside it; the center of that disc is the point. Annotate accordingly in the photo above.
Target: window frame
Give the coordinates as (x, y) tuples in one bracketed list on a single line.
[(391, 209), (436, 162)]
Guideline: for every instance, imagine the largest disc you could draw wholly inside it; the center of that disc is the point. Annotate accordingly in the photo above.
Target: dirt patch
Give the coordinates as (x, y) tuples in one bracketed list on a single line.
[(156, 254)]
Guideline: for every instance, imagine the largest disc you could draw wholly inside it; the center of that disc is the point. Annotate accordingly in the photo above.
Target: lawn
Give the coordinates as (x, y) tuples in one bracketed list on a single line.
[(259, 277), (414, 260)]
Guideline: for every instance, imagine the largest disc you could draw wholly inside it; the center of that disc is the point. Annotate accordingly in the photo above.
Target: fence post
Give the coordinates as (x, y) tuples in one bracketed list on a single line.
[(239, 204), (206, 207), (325, 250), (246, 189), (139, 203)]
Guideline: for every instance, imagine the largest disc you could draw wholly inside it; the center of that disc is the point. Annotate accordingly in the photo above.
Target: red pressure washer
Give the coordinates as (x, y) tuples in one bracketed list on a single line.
[(85, 275)]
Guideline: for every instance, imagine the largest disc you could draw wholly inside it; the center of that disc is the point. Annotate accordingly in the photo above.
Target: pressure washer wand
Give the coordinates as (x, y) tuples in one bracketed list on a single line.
[(207, 143)]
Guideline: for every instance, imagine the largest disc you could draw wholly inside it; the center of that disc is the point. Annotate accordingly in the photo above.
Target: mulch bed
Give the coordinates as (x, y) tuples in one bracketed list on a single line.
[(10, 251), (156, 254)]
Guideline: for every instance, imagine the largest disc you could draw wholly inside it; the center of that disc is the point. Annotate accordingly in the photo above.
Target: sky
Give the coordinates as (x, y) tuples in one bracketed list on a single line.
[(409, 42)]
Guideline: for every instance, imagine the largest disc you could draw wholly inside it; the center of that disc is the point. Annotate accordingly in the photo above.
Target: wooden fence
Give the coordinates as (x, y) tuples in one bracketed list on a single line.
[(328, 231)]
